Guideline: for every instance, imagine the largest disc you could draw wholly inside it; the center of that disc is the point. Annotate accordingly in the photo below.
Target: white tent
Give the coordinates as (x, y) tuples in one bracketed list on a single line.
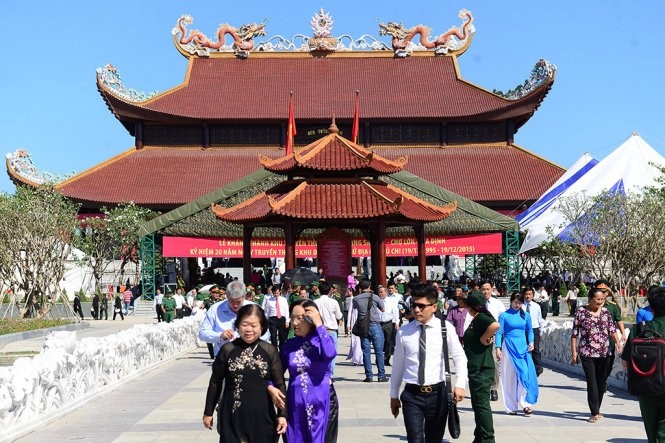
[(627, 169), (574, 173)]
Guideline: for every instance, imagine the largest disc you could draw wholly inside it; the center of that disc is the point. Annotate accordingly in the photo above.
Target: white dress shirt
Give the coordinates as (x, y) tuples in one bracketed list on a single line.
[(541, 296), (270, 307), (392, 307), (330, 312), (405, 359), (495, 307), (179, 301), (535, 313)]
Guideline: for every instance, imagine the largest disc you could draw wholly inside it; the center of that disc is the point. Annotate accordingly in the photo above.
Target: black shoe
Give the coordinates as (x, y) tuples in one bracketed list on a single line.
[(386, 363), (494, 396), (383, 379), (367, 380)]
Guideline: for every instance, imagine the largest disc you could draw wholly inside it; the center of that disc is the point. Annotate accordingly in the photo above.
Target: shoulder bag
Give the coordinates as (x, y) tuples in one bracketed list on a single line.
[(453, 414), (361, 326)]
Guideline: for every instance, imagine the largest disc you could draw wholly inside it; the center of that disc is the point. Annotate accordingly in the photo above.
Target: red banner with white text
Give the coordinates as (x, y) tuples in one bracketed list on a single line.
[(477, 244)]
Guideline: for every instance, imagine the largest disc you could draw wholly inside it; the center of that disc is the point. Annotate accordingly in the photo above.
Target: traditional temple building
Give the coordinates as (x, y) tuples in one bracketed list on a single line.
[(232, 107)]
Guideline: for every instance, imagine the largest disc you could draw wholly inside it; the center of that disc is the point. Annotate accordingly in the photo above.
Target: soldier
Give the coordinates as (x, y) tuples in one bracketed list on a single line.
[(168, 306)]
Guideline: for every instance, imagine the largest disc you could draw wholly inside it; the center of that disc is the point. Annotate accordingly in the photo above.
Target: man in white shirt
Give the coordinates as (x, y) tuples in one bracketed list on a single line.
[(389, 323), (419, 363), (533, 309), (496, 308), (277, 312), (179, 301), (541, 297), (331, 315), (157, 303)]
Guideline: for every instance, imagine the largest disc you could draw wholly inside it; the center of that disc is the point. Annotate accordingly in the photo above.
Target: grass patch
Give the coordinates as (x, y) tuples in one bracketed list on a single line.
[(13, 325)]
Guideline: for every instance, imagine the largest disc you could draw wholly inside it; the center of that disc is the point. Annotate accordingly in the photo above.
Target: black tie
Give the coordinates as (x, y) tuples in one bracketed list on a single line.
[(422, 342)]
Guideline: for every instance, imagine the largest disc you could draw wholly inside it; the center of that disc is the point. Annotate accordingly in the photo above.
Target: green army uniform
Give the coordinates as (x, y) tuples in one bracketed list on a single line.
[(294, 296), (615, 313), (555, 303), (168, 305), (652, 408), (481, 373), (314, 294)]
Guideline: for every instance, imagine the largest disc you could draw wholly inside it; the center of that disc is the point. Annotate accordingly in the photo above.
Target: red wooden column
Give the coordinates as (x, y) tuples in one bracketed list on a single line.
[(422, 263), (247, 253), (380, 258), (290, 252)]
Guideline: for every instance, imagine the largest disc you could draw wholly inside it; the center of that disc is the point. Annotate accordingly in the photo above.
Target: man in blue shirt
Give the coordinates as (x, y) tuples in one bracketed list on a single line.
[(218, 326)]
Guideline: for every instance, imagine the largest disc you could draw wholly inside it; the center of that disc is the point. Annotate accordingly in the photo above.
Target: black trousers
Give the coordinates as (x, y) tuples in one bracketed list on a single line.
[(278, 332), (595, 370), (388, 329), (535, 355), (333, 417), (544, 308), (160, 314), (424, 414)]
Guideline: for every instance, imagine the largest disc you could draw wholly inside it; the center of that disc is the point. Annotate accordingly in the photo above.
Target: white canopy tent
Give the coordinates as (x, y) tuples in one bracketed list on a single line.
[(627, 169)]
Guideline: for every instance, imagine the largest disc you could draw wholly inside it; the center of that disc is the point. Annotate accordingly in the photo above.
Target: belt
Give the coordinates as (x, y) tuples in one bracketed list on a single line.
[(332, 330), (387, 322), (425, 389)]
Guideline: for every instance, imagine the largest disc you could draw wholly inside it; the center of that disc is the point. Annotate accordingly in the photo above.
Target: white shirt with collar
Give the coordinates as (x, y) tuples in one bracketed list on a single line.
[(405, 359), (391, 312), (535, 312), (270, 307), (495, 307), (541, 296), (330, 312)]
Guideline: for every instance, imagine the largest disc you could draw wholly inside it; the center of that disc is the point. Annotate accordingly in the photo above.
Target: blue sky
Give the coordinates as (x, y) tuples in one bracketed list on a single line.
[(610, 57)]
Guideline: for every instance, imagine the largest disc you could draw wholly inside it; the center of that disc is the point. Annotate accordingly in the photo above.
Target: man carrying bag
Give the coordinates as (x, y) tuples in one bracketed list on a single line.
[(419, 362)]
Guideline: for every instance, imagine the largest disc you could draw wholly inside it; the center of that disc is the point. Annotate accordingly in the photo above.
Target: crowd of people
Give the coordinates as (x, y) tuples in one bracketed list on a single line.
[(274, 353)]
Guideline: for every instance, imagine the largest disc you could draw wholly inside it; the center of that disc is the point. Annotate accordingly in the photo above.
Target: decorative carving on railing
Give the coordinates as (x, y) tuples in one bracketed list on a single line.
[(541, 73), (110, 78), (555, 347), (453, 40), (197, 43), (67, 370), (20, 162)]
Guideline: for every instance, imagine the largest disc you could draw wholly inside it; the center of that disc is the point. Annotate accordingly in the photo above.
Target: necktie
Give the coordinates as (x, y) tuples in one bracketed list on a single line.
[(528, 307), (422, 342), (279, 309)]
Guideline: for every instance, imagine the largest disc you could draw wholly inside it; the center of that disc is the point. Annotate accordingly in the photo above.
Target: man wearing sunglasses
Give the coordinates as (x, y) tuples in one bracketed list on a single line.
[(418, 362)]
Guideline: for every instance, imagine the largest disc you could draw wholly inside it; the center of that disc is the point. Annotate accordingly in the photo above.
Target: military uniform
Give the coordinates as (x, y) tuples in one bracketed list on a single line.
[(615, 313), (481, 373), (168, 305), (652, 408)]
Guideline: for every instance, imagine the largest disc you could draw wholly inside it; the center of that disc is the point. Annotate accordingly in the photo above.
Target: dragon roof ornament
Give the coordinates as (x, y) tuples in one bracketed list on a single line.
[(20, 163), (197, 43), (542, 72), (109, 77), (455, 40)]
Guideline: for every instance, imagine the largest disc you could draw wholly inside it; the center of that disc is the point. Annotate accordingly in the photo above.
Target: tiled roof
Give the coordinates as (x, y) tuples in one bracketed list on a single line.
[(165, 178), (333, 153), (162, 177), (258, 88), (488, 174), (334, 199)]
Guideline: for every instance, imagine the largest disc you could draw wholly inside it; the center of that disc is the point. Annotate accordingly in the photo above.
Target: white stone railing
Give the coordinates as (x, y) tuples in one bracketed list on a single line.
[(68, 372), (556, 352)]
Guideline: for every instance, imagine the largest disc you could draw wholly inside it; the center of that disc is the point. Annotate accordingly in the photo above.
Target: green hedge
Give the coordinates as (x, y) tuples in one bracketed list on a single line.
[(13, 325)]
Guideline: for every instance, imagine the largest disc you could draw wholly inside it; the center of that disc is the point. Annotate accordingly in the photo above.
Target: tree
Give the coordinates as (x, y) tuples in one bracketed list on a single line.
[(36, 228), (617, 236), (114, 235)]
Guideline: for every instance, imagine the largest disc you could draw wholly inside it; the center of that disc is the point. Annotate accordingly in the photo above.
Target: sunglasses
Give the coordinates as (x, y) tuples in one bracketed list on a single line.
[(421, 306)]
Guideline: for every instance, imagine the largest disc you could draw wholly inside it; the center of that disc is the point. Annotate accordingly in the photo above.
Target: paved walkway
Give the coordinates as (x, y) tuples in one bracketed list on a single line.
[(166, 406)]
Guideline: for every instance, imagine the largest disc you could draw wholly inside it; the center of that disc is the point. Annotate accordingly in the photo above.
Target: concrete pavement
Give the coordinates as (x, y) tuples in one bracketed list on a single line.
[(166, 406)]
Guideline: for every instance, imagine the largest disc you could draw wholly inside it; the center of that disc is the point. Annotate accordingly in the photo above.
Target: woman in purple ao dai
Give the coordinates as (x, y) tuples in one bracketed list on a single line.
[(307, 356)]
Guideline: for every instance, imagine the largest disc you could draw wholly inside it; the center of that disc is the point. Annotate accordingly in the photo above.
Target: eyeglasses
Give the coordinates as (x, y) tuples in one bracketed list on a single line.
[(421, 306)]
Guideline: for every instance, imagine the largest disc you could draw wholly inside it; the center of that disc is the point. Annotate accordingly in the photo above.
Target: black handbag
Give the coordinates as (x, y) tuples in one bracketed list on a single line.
[(453, 415), (361, 326)]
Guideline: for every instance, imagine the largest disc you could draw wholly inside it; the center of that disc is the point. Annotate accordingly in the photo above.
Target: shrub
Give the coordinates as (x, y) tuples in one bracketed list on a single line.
[(13, 325)]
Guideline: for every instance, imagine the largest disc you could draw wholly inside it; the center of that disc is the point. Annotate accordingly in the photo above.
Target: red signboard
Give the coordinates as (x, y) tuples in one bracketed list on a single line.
[(395, 247)]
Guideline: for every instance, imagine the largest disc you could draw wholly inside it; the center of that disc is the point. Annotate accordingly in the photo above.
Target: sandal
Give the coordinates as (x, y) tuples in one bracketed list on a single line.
[(511, 412), (592, 419), (599, 416), (527, 411)]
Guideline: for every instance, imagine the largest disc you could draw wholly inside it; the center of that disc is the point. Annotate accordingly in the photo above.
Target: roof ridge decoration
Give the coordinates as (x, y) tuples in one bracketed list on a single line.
[(396, 204), (20, 164), (109, 78), (197, 43), (542, 72), (455, 40)]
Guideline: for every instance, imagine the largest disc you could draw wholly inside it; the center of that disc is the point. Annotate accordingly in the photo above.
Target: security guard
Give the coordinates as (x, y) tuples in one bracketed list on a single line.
[(168, 306)]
